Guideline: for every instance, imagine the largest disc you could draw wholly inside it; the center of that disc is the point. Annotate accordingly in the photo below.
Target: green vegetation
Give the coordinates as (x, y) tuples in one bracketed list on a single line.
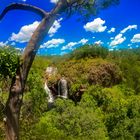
[(8, 61), (104, 96)]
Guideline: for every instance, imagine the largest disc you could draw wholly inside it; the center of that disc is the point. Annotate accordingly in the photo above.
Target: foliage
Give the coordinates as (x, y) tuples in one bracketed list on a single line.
[(88, 8), (84, 72), (68, 121), (8, 61), (116, 109), (89, 51), (109, 103), (129, 63)]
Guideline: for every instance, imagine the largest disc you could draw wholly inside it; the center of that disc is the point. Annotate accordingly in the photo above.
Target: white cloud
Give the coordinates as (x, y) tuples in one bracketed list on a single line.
[(2, 44), (130, 27), (13, 43), (24, 0), (99, 42), (19, 49), (54, 1), (55, 27), (119, 39), (83, 41), (63, 53), (26, 31), (70, 45), (129, 45), (95, 26), (111, 49), (112, 30), (136, 38), (53, 43)]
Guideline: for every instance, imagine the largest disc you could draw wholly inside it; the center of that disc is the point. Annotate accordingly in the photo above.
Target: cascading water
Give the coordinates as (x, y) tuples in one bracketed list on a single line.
[(63, 88), (48, 91)]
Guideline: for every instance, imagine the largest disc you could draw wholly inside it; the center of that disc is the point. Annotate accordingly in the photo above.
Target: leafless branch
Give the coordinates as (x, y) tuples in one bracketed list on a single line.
[(19, 6)]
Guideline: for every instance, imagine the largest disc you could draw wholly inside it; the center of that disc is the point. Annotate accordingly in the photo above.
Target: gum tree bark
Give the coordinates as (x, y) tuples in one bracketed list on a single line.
[(14, 102)]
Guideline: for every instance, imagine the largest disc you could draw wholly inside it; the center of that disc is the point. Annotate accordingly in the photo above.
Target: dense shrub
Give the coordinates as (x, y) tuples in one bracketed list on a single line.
[(121, 121), (8, 61), (70, 122), (89, 51), (109, 103)]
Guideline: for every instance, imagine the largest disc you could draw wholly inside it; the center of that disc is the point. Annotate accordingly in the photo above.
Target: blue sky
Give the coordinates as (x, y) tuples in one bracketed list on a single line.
[(115, 27)]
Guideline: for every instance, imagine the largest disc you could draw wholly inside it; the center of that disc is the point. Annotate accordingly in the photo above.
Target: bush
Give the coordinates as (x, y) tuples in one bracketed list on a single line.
[(8, 62), (88, 51), (70, 122)]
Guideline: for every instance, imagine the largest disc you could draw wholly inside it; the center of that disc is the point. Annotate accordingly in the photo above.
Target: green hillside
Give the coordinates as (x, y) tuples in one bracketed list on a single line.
[(104, 95)]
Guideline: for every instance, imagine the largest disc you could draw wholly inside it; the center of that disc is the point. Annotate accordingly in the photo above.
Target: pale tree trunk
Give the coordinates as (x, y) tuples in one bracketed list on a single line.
[(14, 101)]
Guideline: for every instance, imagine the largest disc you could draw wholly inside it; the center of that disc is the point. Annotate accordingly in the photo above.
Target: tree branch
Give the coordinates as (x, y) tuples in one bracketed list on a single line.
[(19, 6)]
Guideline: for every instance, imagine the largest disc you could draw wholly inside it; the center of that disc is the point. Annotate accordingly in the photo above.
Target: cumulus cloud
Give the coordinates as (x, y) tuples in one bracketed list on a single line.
[(119, 39), (53, 43), (26, 31), (99, 42), (20, 49), (83, 41), (129, 45), (63, 53), (54, 1), (136, 38), (111, 49), (2, 44), (97, 25), (112, 30), (130, 27), (70, 45), (13, 43), (55, 27)]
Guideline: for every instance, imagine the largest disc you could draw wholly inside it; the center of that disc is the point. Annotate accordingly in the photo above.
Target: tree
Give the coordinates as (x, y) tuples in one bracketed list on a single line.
[(84, 7)]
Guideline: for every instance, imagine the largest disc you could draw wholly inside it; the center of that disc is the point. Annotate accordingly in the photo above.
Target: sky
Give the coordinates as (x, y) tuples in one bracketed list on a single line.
[(114, 28)]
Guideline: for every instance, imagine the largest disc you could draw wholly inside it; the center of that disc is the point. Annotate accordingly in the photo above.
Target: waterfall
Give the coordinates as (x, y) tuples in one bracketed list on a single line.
[(63, 88), (49, 93)]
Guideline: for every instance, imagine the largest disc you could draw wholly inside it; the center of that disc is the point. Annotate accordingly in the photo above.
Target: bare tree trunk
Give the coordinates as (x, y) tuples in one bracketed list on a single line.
[(14, 101), (13, 108)]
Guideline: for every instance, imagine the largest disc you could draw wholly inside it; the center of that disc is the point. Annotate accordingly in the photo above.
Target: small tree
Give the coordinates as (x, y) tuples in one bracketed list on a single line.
[(84, 7)]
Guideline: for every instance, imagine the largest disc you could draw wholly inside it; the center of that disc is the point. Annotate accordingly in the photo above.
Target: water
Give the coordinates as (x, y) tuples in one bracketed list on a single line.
[(48, 91)]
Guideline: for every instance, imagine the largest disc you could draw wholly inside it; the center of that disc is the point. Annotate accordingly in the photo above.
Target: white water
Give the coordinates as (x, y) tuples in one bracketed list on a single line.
[(62, 88), (49, 93)]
